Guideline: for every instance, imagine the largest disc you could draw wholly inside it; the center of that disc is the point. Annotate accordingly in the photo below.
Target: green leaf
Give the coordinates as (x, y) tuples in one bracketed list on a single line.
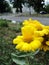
[(13, 54), (32, 57), (20, 55), (19, 61), (36, 52)]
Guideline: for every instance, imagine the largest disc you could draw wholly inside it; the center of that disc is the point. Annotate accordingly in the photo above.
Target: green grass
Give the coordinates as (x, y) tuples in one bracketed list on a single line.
[(7, 34)]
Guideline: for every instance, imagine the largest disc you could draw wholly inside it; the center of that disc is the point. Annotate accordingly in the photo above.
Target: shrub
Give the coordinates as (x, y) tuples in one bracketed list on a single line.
[(47, 8), (4, 6)]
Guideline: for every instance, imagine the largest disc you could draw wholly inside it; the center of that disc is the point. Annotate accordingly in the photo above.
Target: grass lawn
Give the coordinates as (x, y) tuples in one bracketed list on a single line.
[(6, 36)]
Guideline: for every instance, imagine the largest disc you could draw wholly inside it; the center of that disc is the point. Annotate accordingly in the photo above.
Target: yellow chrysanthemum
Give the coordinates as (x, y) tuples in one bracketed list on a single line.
[(19, 46), (17, 40), (26, 47), (27, 22), (45, 31), (27, 32), (35, 44), (46, 27), (44, 47), (34, 23), (47, 43), (38, 25), (34, 36), (39, 38), (23, 46), (42, 32), (38, 33)]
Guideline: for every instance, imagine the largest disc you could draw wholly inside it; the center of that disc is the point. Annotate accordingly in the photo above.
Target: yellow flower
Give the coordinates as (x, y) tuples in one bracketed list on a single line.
[(39, 33), (46, 27), (47, 43), (39, 38), (26, 47), (34, 23), (25, 22), (42, 32), (35, 44), (44, 47), (19, 46), (45, 31), (17, 40), (27, 32), (34, 36), (38, 25)]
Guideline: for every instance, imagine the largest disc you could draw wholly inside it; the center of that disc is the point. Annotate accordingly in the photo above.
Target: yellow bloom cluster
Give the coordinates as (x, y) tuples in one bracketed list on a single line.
[(34, 36)]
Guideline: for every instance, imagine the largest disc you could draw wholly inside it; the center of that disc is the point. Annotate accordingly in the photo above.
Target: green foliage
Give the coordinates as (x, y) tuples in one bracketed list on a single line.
[(5, 52), (16, 27), (3, 23), (18, 5), (4, 6), (38, 6), (6, 46), (47, 8), (31, 58), (5, 49), (23, 58)]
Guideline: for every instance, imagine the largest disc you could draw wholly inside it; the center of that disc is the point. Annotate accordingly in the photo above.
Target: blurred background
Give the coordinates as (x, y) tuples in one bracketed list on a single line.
[(24, 6)]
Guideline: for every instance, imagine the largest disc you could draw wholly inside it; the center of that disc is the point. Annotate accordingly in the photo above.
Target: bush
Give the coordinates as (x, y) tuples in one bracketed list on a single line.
[(4, 6), (47, 8), (7, 7)]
